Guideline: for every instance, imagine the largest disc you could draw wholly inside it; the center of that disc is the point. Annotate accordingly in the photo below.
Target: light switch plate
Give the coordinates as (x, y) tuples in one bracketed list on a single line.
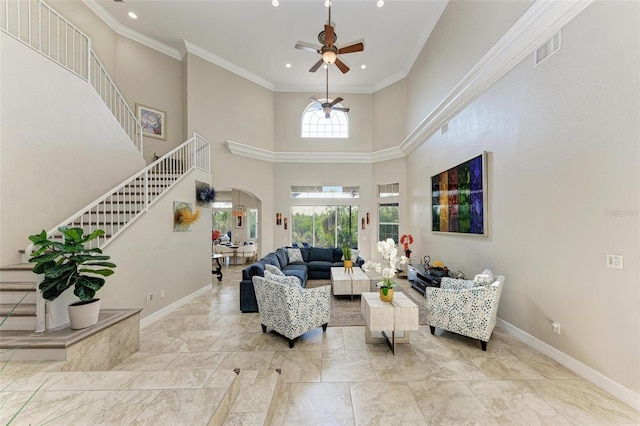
[(614, 261)]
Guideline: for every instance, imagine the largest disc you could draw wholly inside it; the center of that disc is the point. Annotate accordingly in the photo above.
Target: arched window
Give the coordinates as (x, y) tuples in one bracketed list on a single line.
[(315, 125)]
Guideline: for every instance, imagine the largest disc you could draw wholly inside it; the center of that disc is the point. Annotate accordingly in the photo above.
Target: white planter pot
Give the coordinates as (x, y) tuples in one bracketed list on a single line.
[(83, 315)]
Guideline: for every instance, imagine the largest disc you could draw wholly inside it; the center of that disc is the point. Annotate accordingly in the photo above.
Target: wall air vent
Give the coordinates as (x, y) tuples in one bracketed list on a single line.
[(445, 128), (550, 47)]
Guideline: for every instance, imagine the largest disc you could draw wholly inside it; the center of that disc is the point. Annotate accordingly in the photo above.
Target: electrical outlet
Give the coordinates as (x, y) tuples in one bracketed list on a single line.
[(162, 294), (149, 298), (614, 261), (556, 327)]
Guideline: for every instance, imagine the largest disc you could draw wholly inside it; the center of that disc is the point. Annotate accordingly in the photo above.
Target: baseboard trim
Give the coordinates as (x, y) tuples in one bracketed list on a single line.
[(146, 321), (621, 392)]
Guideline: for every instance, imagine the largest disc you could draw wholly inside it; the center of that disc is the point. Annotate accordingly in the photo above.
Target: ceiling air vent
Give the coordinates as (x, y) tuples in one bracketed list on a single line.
[(445, 128), (550, 47)]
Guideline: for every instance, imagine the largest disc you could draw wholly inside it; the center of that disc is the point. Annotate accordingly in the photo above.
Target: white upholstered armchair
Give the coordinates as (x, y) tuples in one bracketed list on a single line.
[(464, 307), (291, 310)]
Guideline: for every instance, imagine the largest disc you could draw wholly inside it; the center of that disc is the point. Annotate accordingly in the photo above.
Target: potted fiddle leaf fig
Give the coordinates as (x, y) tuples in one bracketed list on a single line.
[(68, 263)]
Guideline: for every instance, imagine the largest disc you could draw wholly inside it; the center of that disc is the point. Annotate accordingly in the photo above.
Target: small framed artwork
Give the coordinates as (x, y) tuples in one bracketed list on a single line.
[(239, 215), (286, 223), (153, 122), (278, 218), (363, 222)]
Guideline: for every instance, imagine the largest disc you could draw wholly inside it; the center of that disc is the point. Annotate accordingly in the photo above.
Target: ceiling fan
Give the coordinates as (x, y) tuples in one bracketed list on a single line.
[(329, 50), (327, 106)]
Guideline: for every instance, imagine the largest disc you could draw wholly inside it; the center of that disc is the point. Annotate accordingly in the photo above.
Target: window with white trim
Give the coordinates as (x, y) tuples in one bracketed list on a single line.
[(315, 124), (388, 221), (325, 191), (389, 190)]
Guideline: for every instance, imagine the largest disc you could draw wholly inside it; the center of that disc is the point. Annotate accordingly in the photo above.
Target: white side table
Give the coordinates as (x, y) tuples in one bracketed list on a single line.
[(349, 283), (400, 315)]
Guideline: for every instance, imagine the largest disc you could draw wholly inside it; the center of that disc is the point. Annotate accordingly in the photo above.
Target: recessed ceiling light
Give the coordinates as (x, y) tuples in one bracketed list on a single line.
[(288, 65), (275, 3), (132, 15), (380, 3), (363, 66), (327, 3), (325, 66)]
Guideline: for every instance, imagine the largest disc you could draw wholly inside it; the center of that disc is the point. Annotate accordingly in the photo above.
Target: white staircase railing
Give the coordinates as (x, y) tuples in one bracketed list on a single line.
[(116, 210), (40, 27), (121, 206)]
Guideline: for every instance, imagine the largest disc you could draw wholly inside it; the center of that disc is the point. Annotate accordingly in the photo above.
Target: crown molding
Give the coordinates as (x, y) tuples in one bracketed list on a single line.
[(248, 151), (129, 33), (537, 24), (223, 63)]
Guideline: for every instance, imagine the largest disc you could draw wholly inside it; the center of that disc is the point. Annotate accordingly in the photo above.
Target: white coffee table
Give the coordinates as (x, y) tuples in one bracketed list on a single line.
[(349, 283), (399, 315)]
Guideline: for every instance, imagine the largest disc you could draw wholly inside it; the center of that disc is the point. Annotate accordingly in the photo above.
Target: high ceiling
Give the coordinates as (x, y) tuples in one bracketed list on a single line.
[(256, 40)]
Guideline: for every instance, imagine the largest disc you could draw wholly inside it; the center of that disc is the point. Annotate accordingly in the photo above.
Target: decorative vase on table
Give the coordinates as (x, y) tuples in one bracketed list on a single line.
[(386, 294)]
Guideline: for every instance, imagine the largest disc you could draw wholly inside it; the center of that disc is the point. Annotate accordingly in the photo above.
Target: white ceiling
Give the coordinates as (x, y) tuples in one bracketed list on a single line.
[(255, 39)]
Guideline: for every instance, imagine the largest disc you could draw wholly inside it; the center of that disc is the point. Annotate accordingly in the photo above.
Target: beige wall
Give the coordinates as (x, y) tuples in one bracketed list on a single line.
[(152, 257), (104, 41), (223, 106), (466, 30), (563, 155), (154, 81), (288, 110), (389, 115), (48, 144)]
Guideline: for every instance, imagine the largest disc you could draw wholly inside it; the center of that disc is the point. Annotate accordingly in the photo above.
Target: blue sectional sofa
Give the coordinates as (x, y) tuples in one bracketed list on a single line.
[(316, 264)]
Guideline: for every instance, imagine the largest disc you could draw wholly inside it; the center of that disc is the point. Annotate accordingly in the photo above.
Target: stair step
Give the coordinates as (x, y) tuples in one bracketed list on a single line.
[(13, 297), (17, 323), (21, 310), (19, 273), (17, 286)]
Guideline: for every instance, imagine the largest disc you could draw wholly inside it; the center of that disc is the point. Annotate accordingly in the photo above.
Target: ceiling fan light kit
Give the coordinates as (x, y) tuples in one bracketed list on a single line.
[(328, 51)]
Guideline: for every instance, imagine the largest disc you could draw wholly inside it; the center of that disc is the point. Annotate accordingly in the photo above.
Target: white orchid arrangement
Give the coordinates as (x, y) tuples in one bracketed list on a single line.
[(387, 268)]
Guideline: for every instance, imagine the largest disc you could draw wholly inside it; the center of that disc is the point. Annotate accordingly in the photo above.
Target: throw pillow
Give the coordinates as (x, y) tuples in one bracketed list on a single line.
[(485, 278), (289, 280), (274, 270), (295, 255)]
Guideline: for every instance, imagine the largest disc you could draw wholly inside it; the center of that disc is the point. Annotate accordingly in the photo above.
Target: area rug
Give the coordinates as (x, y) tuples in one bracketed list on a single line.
[(345, 312)]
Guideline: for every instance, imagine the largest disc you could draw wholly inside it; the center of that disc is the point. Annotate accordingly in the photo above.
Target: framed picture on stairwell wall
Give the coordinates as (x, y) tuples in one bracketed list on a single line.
[(153, 122)]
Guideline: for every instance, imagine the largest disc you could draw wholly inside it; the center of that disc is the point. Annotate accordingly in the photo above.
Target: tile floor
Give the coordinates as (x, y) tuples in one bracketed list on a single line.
[(185, 364)]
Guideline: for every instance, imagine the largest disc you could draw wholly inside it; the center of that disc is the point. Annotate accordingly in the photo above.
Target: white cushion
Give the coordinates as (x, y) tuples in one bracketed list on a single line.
[(485, 278), (282, 279), (274, 270), (294, 255)]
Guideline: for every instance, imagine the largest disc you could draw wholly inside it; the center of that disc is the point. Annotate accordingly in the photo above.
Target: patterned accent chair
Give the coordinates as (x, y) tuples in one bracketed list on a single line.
[(464, 307), (291, 310)]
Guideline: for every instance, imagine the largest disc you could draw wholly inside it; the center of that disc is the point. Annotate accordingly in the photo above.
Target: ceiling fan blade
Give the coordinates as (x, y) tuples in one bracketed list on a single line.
[(328, 35), (355, 47), (316, 66), (341, 109), (341, 65), (303, 46), (336, 101)]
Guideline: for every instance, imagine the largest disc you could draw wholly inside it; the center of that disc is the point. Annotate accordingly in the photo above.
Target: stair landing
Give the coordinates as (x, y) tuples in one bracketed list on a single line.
[(100, 347)]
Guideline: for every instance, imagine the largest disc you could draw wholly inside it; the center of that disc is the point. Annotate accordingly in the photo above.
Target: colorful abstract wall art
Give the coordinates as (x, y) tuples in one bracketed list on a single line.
[(459, 198)]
